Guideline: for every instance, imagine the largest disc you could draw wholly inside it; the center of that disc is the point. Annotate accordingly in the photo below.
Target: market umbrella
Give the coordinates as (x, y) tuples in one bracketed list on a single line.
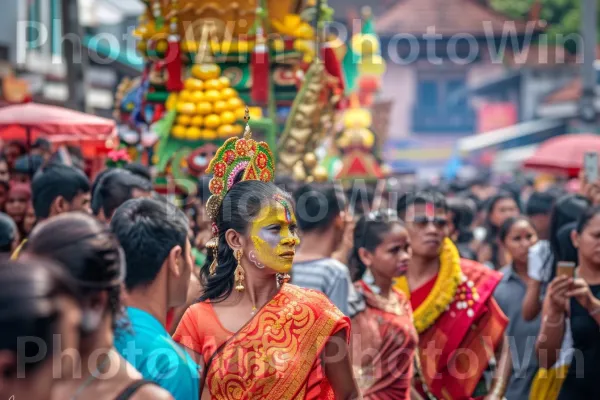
[(564, 154), (27, 122)]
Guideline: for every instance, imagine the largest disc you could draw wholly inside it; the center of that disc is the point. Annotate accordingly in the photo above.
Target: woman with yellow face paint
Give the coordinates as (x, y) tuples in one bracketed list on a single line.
[(257, 336)]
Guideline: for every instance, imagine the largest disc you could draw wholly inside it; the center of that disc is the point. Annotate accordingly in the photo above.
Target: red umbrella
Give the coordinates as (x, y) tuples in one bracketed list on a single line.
[(29, 121), (564, 154)]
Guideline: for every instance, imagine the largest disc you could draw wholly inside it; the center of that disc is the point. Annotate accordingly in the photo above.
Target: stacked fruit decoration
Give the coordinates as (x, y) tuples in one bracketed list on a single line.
[(207, 108)]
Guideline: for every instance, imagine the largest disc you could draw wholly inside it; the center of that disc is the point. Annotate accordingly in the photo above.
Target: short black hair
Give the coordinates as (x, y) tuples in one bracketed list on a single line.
[(423, 197), (148, 229), (114, 188), (42, 143), (28, 164), (317, 205), (140, 170), (540, 203), (8, 233), (54, 181)]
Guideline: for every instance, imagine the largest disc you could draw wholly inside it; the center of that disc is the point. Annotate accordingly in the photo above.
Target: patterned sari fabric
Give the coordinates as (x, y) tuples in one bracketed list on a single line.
[(383, 346), (275, 356), (455, 347)]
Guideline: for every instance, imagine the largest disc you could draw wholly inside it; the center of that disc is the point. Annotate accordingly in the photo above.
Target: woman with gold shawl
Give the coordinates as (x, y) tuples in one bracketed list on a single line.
[(257, 336)]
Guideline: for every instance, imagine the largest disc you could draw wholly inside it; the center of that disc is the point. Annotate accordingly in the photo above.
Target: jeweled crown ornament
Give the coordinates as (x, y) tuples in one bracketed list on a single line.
[(245, 156)]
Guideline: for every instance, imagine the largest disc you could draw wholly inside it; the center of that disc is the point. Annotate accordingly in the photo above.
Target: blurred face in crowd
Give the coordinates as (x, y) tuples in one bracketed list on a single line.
[(519, 239), (503, 210), (11, 153), (4, 174), (391, 257), (30, 219), (82, 202), (588, 241), (16, 205), (3, 197), (427, 227)]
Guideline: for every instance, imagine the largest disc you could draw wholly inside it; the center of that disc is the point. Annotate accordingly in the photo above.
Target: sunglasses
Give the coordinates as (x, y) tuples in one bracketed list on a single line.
[(422, 221)]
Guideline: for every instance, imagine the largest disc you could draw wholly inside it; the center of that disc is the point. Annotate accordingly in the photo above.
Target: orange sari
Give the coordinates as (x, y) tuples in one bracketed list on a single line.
[(275, 356), (457, 349)]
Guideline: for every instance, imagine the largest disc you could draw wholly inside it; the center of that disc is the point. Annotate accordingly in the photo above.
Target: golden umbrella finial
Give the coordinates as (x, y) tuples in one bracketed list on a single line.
[(247, 131)]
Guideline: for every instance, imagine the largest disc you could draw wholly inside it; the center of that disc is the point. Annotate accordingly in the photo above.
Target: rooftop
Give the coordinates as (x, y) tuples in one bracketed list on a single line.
[(448, 17)]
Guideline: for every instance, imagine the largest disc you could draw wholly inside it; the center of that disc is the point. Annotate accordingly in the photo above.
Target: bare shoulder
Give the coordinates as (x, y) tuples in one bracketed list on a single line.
[(151, 392)]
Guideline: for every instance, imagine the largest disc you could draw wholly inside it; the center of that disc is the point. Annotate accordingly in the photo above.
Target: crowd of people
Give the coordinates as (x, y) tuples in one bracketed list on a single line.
[(259, 287)]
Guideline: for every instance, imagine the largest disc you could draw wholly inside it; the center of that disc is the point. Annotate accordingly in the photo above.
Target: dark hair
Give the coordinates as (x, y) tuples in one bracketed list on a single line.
[(463, 214), (55, 181), (28, 305), (242, 203), (42, 143), (286, 183), (360, 198), (8, 233), (421, 198), (318, 205), (586, 217), (491, 229), (508, 224), (148, 229), (140, 170), (114, 188), (28, 164), (368, 234), (17, 143), (88, 251), (540, 203)]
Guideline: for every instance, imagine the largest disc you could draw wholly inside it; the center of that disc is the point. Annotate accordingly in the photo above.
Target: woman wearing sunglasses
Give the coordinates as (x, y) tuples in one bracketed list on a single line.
[(383, 336)]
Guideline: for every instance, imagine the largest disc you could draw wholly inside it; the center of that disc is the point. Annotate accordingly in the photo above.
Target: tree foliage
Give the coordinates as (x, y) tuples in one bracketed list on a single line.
[(563, 16)]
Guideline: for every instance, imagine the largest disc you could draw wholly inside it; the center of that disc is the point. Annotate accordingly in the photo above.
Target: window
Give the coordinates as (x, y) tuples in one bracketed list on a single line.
[(442, 104)]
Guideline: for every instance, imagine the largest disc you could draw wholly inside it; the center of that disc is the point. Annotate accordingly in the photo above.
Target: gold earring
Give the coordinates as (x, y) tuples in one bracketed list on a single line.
[(214, 264), (239, 272)]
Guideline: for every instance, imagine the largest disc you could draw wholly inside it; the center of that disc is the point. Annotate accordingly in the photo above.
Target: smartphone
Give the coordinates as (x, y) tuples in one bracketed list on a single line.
[(565, 268), (590, 167)]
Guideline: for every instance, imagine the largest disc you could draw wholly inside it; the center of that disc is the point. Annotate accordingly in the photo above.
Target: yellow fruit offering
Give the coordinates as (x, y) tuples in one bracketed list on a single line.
[(184, 95), (186, 108), (220, 106), (212, 121), (213, 84), (212, 95), (178, 132), (197, 97), (197, 121), (239, 113), (228, 118), (193, 133), (238, 129), (192, 84), (228, 93), (235, 103), (204, 108), (225, 82), (184, 120), (206, 71), (209, 134), (226, 131)]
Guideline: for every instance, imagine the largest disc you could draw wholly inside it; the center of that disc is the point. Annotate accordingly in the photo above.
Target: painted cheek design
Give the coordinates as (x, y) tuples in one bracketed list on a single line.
[(254, 259)]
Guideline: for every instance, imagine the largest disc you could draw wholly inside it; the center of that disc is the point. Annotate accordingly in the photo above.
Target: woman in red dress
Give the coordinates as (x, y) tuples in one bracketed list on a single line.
[(383, 336)]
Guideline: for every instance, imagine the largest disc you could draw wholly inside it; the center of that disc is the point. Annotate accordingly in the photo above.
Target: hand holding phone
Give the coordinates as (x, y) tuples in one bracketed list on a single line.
[(565, 268)]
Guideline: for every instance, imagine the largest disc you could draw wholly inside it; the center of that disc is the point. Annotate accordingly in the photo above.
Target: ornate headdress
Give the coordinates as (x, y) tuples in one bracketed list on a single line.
[(253, 160)]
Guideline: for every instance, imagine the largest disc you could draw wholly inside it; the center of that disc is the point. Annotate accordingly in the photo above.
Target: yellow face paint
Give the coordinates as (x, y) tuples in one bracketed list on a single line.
[(274, 236)]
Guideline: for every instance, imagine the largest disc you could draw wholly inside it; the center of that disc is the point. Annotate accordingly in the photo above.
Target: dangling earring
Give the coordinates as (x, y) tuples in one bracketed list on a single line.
[(214, 264), (239, 273)]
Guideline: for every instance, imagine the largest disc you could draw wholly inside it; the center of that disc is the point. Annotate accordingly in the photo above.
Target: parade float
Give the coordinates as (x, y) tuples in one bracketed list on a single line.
[(205, 61), (355, 154)]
